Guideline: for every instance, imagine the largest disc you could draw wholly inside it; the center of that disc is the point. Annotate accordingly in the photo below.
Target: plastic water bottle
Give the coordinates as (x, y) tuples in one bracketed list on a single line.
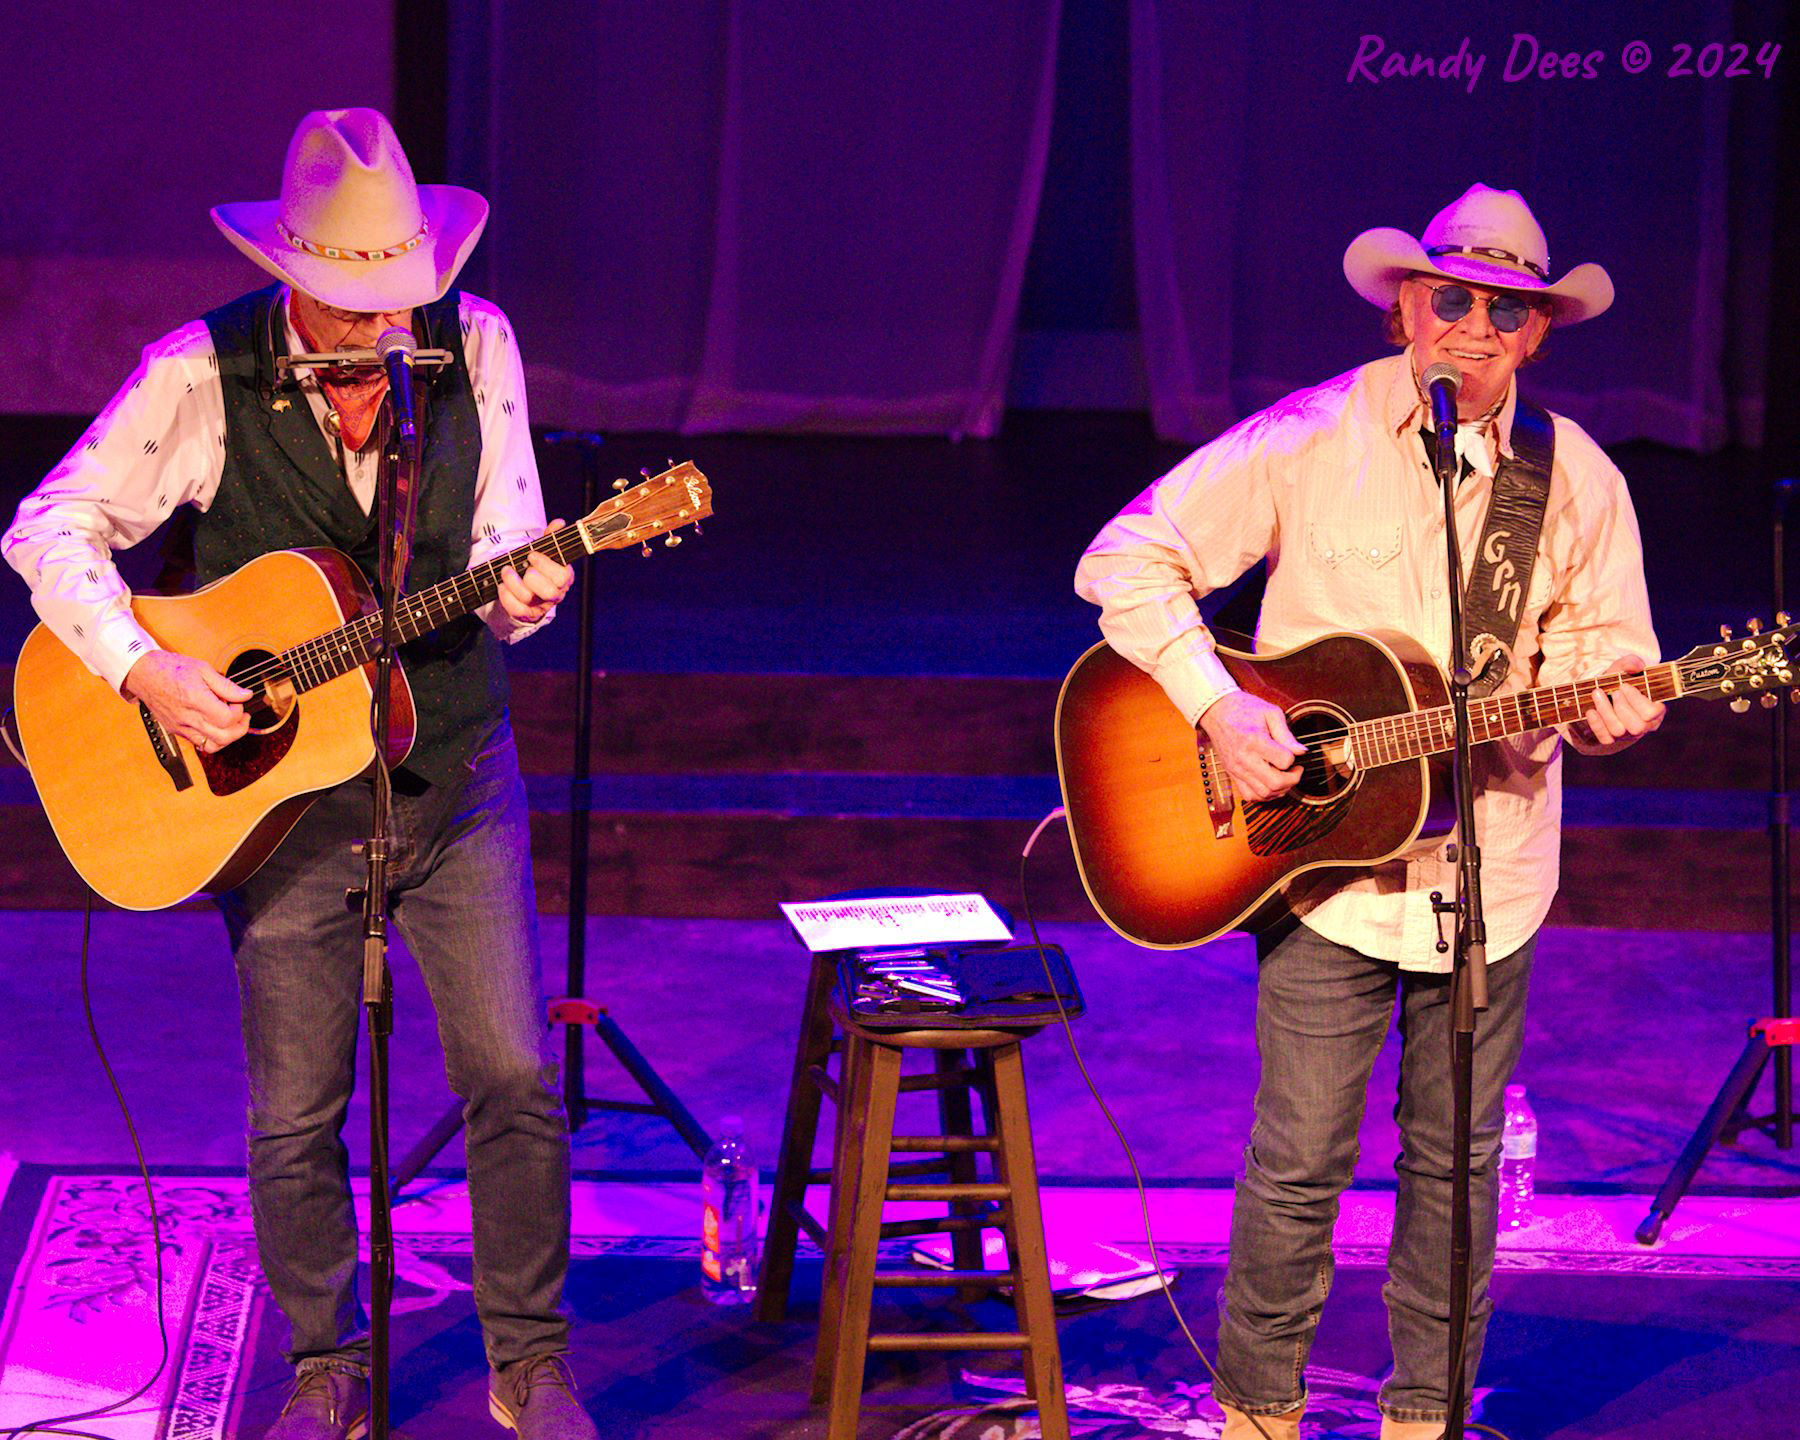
[(728, 1191), (1518, 1156)]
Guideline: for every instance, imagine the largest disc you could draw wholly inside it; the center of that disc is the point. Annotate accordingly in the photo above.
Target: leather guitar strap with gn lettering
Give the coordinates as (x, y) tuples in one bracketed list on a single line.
[(1495, 598)]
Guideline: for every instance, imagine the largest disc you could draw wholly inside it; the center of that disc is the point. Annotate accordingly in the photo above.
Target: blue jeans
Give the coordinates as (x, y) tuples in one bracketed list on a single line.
[(462, 897), (1322, 1015)]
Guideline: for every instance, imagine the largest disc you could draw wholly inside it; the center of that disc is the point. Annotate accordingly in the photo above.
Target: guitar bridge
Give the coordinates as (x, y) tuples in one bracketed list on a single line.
[(1221, 802), (163, 744)]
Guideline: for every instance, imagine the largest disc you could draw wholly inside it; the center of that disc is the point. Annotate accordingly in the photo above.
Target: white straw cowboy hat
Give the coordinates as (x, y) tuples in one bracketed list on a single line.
[(1486, 237), (352, 228)]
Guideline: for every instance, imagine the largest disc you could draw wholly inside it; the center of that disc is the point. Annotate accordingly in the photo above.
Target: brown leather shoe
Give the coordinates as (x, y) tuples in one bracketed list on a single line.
[(325, 1405), (1239, 1426), (536, 1399)]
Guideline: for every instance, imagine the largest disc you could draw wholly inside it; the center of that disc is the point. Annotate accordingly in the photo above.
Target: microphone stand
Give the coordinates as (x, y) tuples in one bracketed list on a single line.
[(1468, 973), (395, 523), (1780, 868)]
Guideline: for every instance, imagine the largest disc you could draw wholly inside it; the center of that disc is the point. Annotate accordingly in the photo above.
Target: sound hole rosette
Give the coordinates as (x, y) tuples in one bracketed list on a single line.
[(272, 703), (1328, 776)]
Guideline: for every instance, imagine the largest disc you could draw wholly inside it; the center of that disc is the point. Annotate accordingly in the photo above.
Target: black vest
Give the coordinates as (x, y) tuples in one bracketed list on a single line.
[(281, 489)]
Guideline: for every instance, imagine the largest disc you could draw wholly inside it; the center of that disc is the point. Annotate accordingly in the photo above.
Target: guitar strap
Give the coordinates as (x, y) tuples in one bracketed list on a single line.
[(1495, 597)]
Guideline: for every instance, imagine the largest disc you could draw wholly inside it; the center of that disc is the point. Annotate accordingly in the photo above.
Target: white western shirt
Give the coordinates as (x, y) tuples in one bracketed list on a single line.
[(160, 442), (1332, 486)]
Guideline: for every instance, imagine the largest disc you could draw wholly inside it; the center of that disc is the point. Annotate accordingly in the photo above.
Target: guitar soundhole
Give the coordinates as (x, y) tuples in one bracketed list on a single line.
[(1312, 809), (1325, 772), (274, 722), (265, 715)]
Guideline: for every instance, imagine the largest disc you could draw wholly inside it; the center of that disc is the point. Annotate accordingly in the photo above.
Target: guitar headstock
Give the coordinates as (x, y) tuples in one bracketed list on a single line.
[(1760, 663), (661, 505)]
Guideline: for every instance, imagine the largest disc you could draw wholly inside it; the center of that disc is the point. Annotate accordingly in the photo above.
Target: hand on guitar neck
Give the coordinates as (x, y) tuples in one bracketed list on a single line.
[(1253, 742), (189, 698), (528, 598), (1616, 720)]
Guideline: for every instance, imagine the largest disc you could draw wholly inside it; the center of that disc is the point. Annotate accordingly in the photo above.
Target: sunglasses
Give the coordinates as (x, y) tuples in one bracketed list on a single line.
[(1451, 302)]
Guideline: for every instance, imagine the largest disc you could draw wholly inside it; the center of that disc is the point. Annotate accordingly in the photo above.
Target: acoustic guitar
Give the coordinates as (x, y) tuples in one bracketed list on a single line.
[(1172, 857), (146, 818)]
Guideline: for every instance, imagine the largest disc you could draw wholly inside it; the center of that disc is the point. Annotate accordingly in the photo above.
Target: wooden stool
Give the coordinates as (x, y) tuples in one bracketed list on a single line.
[(870, 1083), (952, 1076)]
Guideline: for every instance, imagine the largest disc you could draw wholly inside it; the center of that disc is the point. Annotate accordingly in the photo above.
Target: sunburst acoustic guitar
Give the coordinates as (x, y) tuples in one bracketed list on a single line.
[(1171, 857), (146, 818)]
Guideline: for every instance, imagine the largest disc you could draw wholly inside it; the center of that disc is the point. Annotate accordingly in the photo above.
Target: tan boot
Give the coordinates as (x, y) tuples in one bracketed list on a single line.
[(1239, 1426), (1411, 1429)]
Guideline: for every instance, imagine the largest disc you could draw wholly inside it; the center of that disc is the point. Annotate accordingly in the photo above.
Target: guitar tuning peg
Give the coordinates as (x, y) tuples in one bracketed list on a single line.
[(1724, 632), (1754, 626), (671, 541), (621, 484), (1770, 700), (645, 552), (1740, 705), (644, 471), (670, 462), (1781, 618)]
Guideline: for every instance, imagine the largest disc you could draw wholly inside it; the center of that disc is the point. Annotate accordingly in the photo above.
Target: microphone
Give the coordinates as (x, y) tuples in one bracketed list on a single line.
[(396, 347), (1441, 383)]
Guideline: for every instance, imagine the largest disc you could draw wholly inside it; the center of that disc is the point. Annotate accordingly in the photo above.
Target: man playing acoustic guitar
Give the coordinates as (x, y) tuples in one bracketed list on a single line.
[(1333, 486), (275, 462)]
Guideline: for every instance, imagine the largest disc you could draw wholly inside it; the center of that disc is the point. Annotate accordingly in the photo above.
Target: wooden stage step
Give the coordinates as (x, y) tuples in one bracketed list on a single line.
[(721, 795)]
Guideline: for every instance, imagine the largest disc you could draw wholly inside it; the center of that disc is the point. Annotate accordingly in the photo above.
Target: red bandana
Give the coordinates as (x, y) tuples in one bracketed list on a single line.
[(355, 395)]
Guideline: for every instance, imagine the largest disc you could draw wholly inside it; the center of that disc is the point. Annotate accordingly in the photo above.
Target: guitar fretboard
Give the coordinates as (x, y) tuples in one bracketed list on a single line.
[(1418, 733), (325, 657)]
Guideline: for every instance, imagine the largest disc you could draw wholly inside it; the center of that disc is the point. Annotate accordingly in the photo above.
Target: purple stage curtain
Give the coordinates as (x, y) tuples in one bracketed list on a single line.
[(129, 123), (1256, 158), (745, 216)]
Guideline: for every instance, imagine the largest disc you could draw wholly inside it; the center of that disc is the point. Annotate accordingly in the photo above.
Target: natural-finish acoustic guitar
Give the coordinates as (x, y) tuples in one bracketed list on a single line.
[(145, 818), (1172, 857)]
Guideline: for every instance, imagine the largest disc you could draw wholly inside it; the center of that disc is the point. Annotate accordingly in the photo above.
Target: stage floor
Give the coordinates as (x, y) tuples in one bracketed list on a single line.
[(1594, 1335), (1629, 1035)]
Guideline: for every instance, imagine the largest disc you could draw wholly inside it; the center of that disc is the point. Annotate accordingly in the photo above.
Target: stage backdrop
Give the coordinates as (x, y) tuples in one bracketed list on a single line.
[(128, 123), (1264, 137), (782, 215), (718, 214), (724, 216)]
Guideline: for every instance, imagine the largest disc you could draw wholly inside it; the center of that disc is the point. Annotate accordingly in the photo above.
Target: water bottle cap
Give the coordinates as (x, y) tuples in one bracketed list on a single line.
[(1515, 1092)]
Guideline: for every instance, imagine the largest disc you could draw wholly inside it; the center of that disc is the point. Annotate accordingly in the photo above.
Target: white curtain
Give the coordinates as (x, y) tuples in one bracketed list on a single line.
[(732, 215)]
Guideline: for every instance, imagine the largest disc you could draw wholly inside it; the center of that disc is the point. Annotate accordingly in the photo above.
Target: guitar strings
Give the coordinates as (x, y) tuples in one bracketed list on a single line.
[(1410, 726), (280, 665)]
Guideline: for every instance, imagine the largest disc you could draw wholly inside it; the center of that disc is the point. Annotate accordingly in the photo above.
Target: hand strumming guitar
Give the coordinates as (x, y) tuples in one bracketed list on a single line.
[(189, 698), (1253, 742)]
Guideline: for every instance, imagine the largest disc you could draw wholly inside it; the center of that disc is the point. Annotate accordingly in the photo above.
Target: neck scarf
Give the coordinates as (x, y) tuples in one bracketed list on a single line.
[(355, 396)]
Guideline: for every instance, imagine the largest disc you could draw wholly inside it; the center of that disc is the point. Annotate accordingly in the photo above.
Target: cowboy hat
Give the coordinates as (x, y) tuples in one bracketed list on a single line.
[(352, 228), (1486, 237)]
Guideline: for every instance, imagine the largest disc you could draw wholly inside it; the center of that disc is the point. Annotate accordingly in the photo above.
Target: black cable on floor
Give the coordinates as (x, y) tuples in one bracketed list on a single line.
[(55, 1424)]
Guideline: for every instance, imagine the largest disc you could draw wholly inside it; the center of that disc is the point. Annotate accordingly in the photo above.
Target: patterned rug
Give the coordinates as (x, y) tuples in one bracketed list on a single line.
[(1594, 1335)]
